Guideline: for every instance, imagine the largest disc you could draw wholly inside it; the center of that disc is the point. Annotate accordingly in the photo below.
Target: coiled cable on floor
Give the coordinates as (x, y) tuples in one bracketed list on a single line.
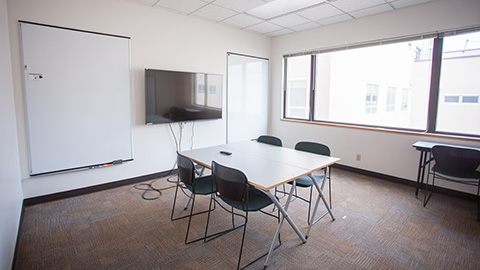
[(148, 188)]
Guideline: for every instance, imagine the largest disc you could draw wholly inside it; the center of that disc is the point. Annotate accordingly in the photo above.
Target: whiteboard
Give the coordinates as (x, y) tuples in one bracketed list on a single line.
[(77, 98), (247, 97)]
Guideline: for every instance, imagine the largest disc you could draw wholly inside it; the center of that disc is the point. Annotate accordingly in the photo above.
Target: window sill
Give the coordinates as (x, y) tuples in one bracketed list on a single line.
[(387, 130)]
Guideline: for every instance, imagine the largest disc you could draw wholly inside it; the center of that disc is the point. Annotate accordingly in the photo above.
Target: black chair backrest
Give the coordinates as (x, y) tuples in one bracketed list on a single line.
[(186, 169), (313, 147), (270, 140), (455, 161), (231, 183)]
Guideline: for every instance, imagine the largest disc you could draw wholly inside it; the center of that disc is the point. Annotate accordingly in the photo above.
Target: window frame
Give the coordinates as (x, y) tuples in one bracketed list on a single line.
[(434, 92)]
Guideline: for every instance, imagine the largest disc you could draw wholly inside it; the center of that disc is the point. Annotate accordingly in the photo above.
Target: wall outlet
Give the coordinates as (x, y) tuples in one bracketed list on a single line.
[(359, 157)]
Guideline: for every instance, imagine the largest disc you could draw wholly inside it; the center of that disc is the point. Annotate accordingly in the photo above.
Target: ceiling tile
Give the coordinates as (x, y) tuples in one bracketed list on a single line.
[(213, 12), (183, 6), (242, 20), (371, 11), (281, 7), (304, 26), (264, 27), (336, 19), (145, 2), (289, 20), (406, 3), (354, 5), (320, 12), (297, 15), (279, 32), (239, 6)]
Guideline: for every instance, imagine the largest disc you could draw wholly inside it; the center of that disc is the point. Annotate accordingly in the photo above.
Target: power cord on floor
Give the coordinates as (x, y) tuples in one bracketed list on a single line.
[(148, 188)]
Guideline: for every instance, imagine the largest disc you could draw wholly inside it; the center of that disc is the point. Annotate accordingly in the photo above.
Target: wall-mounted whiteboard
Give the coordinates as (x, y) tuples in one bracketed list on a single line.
[(247, 97), (77, 97)]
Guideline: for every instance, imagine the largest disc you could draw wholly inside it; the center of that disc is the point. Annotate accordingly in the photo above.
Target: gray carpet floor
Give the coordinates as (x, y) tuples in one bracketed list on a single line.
[(379, 225)]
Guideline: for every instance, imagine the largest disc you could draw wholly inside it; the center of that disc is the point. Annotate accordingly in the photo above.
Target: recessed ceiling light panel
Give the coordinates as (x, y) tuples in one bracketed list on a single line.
[(280, 7)]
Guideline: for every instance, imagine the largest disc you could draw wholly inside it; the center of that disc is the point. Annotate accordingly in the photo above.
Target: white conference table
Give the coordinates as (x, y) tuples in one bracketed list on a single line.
[(266, 167)]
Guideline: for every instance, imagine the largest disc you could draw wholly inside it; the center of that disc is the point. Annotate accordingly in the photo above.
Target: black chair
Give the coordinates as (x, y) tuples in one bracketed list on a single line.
[(203, 185), (233, 189), (270, 140), (460, 165), (306, 181)]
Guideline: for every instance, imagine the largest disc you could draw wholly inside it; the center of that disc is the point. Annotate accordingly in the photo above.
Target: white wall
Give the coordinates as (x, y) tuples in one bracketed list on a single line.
[(159, 39), (382, 152), (11, 195)]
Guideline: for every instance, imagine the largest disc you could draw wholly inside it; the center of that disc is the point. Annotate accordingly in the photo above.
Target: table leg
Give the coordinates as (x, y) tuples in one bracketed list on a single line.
[(320, 196), (425, 162), (420, 166), (284, 216)]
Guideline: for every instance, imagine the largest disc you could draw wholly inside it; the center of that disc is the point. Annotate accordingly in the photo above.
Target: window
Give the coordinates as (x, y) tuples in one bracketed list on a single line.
[(470, 99), (461, 99), (391, 99), (460, 85), (201, 89), (212, 89), (371, 99), (452, 99), (298, 87), (358, 84)]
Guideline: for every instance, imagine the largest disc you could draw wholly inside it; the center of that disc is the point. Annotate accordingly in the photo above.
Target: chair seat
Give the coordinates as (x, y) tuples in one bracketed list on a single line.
[(306, 181), (256, 201), (203, 185)]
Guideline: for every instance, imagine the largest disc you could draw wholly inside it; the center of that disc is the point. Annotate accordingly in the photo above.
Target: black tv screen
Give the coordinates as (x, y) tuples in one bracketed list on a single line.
[(177, 96)]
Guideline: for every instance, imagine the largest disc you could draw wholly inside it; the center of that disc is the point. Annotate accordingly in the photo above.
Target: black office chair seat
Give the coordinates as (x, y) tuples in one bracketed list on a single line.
[(203, 185), (257, 200), (306, 181)]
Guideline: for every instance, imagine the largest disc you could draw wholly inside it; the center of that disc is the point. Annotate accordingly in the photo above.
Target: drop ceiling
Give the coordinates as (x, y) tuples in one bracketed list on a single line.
[(279, 17)]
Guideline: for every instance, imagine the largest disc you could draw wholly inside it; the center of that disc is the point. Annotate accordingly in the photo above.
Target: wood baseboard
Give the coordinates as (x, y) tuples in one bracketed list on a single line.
[(86, 190), (403, 181)]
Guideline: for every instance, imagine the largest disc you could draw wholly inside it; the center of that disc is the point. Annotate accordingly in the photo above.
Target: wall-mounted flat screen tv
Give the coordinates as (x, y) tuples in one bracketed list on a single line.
[(177, 96)]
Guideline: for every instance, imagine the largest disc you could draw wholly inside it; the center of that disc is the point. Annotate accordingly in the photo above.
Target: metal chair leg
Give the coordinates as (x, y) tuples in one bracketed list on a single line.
[(425, 199), (426, 191), (174, 200), (243, 239), (309, 206), (208, 218), (329, 186), (427, 196), (190, 221), (188, 202)]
